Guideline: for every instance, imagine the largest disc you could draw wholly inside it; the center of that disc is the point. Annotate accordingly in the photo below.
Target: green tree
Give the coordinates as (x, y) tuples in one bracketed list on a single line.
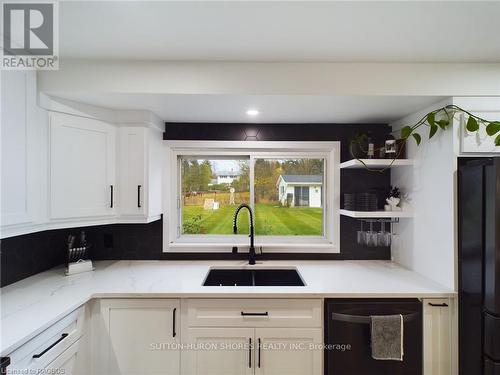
[(195, 175), (242, 184), (205, 170)]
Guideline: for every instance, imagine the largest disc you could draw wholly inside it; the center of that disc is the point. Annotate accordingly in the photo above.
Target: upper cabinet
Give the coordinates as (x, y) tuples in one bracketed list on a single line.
[(20, 153), (66, 164), (82, 167), (140, 174), (99, 169), (478, 143)]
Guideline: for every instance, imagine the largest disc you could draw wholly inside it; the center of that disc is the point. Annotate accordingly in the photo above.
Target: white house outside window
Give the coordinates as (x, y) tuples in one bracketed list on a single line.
[(291, 186)]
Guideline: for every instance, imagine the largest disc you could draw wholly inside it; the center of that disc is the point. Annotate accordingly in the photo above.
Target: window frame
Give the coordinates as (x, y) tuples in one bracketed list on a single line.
[(174, 241)]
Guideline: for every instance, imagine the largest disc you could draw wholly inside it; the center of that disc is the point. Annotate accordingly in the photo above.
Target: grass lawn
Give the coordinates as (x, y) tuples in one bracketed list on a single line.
[(270, 220)]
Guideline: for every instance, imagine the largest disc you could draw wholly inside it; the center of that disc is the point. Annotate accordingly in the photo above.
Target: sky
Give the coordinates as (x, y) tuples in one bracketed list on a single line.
[(223, 165)]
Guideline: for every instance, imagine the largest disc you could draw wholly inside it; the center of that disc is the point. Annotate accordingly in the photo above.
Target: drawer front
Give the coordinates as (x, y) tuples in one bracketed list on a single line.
[(255, 313), (48, 345), (69, 362)]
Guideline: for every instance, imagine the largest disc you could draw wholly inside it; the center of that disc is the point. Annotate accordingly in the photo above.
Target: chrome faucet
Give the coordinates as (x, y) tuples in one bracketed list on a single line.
[(251, 250)]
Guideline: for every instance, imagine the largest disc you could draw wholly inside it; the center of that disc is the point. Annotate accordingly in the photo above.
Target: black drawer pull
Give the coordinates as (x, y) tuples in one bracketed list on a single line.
[(63, 336), (258, 362), (249, 353), (173, 322), (254, 314), (111, 191), (139, 196), (438, 304), (4, 363)]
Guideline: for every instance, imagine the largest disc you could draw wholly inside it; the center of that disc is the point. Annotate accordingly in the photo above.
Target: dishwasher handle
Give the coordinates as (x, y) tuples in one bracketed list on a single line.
[(366, 319)]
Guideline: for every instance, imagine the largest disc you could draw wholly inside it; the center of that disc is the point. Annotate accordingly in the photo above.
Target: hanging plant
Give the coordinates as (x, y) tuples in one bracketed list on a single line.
[(438, 119)]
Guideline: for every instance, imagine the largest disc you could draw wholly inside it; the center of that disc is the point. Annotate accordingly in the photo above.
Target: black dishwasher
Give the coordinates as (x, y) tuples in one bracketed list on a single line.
[(347, 336)]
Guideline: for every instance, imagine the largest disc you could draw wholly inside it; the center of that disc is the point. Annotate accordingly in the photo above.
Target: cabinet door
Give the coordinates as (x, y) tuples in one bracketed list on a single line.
[(437, 336), (288, 351), (82, 157), (133, 187), (142, 336), (219, 351), (70, 362), (18, 147), (478, 142)]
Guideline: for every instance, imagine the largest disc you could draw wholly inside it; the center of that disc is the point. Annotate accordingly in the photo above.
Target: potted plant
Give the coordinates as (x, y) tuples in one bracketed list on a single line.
[(393, 199), (439, 119)]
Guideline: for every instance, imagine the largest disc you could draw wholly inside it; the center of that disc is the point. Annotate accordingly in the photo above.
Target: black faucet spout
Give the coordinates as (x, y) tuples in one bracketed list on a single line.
[(251, 250)]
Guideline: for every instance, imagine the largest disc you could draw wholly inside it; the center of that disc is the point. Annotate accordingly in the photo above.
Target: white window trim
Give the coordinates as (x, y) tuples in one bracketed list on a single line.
[(329, 243)]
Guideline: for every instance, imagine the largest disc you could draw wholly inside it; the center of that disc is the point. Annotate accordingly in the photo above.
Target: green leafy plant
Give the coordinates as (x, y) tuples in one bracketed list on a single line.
[(193, 225), (439, 119), (394, 192)]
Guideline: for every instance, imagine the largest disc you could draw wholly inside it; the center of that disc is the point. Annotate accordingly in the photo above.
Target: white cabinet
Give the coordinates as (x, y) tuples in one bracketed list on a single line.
[(20, 152), (291, 351), (133, 175), (82, 167), (72, 361), (140, 174), (438, 338), (219, 351), (140, 336), (478, 142), (253, 336), (66, 164), (245, 351), (62, 345)]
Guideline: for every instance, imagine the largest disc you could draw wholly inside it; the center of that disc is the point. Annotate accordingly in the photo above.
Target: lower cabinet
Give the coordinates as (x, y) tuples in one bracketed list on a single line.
[(72, 361), (439, 342), (141, 337), (288, 351), (62, 346), (245, 351), (252, 337), (219, 351)]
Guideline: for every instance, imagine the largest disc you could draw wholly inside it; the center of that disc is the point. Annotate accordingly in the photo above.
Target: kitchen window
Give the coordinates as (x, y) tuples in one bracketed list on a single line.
[(292, 187)]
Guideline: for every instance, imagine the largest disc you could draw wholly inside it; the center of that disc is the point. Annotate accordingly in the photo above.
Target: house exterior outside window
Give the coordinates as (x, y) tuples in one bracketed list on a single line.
[(300, 190)]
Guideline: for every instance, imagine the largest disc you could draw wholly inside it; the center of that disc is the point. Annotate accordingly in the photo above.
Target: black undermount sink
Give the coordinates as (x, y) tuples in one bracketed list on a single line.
[(253, 277)]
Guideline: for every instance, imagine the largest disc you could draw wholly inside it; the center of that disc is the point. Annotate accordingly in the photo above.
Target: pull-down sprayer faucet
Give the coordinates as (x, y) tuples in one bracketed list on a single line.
[(251, 250)]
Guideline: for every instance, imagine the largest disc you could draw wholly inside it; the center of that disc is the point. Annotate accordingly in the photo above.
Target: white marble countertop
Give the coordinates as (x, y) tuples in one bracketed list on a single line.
[(33, 304)]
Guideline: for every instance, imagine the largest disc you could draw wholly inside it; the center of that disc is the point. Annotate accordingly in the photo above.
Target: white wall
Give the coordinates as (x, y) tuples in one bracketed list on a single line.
[(315, 196), (289, 190), (426, 243), (154, 77)]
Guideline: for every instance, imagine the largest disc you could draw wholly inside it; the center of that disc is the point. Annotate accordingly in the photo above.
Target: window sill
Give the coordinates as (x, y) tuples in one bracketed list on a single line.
[(224, 247)]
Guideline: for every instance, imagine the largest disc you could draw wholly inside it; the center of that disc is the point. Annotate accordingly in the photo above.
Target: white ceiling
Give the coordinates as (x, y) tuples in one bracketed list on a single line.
[(349, 31), (273, 109)]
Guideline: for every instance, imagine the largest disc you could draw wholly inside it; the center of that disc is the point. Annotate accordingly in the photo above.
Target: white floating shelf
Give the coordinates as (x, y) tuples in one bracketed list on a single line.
[(376, 214), (375, 163)]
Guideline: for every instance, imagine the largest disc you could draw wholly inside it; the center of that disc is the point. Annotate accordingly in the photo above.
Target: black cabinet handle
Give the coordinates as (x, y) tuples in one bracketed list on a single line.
[(4, 363), (438, 304), (249, 353), (63, 336), (258, 361), (111, 192), (255, 314), (173, 322), (139, 196)]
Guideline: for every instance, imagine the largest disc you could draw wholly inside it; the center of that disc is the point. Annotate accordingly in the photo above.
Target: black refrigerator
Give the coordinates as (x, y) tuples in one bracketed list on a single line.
[(479, 265)]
